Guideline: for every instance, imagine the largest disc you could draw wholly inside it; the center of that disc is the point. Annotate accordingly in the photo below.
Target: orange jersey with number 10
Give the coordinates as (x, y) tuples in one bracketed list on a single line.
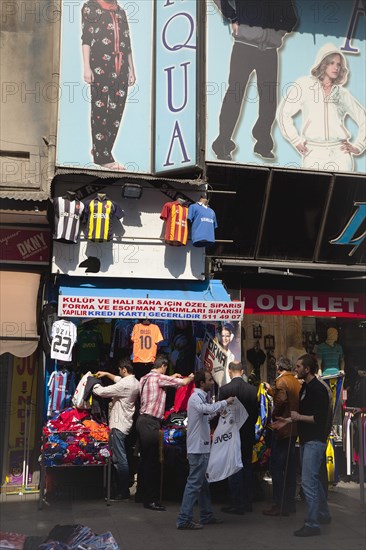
[(145, 340)]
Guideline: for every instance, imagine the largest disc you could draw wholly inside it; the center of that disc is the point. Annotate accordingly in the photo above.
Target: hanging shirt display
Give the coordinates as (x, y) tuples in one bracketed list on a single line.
[(175, 215), (61, 387), (203, 224), (145, 340), (90, 345), (67, 217), (121, 335), (49, 316), (63, 340), (99, 215)]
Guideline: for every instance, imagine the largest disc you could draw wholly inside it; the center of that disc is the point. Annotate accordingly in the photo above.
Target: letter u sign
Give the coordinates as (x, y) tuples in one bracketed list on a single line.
[(348, 235)]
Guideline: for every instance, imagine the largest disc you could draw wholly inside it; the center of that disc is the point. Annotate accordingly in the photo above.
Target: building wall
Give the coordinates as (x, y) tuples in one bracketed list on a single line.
[(29, 38)]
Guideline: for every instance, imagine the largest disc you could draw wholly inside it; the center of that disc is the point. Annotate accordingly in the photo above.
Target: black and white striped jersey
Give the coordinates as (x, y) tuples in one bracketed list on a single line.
[(68, 215)]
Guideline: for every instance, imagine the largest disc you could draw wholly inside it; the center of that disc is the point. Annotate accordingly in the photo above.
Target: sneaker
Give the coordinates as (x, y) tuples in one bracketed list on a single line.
[(325, 520), (190, 525), (213, 521), (307, 531)]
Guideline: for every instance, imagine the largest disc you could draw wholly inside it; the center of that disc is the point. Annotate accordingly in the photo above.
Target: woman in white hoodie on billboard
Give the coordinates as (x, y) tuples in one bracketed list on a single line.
[(324, 141)]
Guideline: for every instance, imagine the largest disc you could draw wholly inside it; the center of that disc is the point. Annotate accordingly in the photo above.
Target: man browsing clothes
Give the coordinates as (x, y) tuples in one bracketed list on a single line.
[(198, 451)]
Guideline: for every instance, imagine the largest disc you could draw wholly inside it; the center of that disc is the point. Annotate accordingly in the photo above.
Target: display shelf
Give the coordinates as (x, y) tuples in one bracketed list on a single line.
[(42, 483)]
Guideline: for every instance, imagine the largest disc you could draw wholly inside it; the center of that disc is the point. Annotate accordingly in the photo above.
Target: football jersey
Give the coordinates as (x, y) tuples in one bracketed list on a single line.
[(203, 224), (90, 345), (61, 386), (145, 340), (49, 316), (99, 214), (175, 215), (67, 219), (63, 339)]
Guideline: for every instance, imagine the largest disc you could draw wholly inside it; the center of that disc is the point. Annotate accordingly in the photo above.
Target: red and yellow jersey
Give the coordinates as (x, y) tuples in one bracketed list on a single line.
[(145, 340), (99, 213), (175, 215)]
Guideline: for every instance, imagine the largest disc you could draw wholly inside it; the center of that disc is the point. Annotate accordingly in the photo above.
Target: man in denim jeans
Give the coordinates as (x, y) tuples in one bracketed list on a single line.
[(124, 393), (198, 451), (313, 429)]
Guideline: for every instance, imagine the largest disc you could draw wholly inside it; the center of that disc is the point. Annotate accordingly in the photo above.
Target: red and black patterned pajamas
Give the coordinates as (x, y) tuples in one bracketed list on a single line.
[(107, 34)]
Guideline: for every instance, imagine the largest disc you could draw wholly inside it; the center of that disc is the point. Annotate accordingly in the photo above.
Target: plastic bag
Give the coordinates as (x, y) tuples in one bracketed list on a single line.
[(78, 397)]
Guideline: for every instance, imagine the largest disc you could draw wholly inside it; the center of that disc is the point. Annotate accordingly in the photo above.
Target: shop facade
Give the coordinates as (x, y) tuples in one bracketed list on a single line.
[(24, 264), (284, 227)]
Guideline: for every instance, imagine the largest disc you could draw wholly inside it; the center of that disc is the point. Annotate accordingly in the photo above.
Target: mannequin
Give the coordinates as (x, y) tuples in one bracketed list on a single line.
[(99, 214), (295, 349), (64, 215), (203, 223), (145, 339), (256, 358), (175, 214), (330, 354)]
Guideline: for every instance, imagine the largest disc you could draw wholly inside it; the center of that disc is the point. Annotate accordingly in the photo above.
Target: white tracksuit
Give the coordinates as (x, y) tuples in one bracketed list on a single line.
[(322, 126)]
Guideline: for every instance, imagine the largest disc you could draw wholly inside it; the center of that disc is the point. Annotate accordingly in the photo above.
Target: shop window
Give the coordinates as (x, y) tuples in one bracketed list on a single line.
[(294, 214)]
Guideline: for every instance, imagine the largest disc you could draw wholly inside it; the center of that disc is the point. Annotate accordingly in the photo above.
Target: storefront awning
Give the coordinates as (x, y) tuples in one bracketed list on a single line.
[(18, 313), (171, 300)]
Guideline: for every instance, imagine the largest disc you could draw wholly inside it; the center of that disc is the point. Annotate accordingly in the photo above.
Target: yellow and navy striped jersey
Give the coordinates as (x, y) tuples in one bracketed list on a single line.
[(99, 215)]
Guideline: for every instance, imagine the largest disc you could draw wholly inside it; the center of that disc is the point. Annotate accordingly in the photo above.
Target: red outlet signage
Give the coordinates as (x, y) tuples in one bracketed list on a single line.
[(321, 304)]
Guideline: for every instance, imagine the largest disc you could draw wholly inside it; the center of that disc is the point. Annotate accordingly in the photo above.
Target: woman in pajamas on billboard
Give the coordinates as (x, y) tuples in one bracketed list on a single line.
[(324, 141), (109, 69)]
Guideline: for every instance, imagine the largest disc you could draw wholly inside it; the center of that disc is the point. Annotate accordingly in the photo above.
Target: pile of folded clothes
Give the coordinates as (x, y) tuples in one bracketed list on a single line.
[(61, 537), (73, 437)]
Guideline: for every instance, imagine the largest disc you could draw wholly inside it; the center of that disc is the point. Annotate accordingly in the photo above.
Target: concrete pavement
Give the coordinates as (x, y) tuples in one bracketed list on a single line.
[(135, 528)]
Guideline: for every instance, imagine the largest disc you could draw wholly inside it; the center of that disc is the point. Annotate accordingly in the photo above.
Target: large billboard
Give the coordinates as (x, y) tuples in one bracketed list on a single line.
[(286, 84), (111, 98)]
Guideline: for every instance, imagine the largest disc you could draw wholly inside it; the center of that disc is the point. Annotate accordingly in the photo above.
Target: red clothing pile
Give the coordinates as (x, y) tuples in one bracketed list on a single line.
[(74, 438)]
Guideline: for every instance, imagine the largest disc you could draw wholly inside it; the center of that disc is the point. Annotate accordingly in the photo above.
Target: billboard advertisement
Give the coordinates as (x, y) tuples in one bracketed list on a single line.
[(111, 99), (286, 84), (106, 77)]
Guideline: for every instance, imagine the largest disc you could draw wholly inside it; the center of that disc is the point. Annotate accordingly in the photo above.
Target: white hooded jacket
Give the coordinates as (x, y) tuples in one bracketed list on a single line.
[(322, 116)]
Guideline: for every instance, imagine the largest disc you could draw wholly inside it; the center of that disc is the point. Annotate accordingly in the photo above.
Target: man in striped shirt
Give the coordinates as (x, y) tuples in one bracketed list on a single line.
[(152, 408)]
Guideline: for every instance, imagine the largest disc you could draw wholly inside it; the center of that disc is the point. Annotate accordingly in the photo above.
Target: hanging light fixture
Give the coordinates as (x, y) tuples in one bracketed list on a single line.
[(132, 191)]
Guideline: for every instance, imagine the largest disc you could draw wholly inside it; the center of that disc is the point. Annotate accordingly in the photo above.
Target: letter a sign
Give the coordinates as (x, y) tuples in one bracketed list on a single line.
[(175, 85), (349, 234)]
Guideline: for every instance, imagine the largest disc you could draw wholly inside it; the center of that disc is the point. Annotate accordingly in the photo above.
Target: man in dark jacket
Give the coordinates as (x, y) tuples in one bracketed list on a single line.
[(241, 484), (258, 29), (313, 428)]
